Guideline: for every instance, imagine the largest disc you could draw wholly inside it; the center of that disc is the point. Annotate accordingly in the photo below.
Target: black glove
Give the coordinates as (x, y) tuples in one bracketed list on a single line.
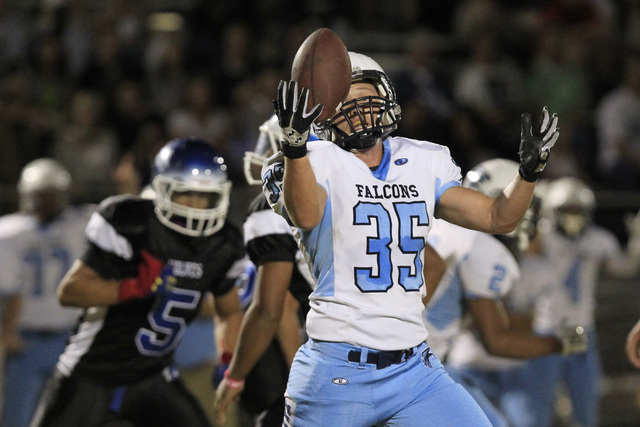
[(293, 118), (534, 149)]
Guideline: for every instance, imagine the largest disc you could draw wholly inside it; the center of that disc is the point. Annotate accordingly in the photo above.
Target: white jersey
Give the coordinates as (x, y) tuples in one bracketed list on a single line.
[(578, 264), (537, 279), (478, 266), (367, 252), (35, 257)]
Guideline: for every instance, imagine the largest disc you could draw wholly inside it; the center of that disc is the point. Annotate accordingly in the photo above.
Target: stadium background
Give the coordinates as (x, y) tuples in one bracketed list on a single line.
[(144, 65)]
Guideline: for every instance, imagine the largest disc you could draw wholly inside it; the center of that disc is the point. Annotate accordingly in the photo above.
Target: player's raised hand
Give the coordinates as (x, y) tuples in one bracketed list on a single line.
[(293, 119), (535, 146)]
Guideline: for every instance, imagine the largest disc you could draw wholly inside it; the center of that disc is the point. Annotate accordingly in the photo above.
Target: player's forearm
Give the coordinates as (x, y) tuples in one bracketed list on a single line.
[(228, 328), (82, 287), (517, 345), (257, 331), (511, 205), (302, 199), (288, 334)]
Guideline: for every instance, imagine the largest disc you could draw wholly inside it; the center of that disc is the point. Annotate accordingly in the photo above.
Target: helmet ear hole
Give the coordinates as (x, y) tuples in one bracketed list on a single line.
[(185, 168)]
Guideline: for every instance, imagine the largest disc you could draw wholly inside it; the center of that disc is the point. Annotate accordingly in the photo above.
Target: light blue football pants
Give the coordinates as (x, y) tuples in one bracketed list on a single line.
[(326, 389)]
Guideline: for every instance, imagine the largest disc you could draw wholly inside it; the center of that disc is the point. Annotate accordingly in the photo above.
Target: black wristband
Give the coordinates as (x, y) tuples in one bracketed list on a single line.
[(529, 177), (293, 152)]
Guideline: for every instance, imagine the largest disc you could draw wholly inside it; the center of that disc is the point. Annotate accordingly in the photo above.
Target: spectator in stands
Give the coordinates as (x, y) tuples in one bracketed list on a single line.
[(618, 121), (424, 90), (558, 76), (88, 148), (200, 115), (490, 85)]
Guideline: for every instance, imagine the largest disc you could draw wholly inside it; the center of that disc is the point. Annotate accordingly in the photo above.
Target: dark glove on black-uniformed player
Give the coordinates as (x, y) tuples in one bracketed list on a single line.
[(535, 148), (294, 121)]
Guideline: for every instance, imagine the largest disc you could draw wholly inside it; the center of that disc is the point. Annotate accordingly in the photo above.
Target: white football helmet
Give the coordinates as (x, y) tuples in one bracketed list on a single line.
[(43, 188), (383, 111), (267, 144), (190, 165), (569, 204), (491, 177)]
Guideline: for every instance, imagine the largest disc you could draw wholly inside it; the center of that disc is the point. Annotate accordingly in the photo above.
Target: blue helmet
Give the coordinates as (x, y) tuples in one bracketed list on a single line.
[(190, 165)]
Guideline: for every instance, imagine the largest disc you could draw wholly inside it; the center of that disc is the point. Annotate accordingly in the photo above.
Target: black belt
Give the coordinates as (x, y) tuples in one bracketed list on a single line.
[(382, 359)]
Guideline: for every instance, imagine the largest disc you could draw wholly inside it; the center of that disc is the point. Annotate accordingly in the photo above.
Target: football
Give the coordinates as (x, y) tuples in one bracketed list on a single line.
[(322, 65)]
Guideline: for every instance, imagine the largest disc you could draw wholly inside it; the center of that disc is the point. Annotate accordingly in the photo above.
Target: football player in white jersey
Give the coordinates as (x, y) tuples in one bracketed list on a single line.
[(362, 203), (37, 246), (271, 244), (579, 251), (482, 271)]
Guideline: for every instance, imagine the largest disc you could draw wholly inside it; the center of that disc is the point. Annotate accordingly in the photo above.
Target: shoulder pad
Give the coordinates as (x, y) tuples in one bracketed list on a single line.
[(126, 212)]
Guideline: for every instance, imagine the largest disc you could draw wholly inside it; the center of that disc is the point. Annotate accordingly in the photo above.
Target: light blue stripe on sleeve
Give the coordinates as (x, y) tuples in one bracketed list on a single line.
[(319, 244), (440, 189)]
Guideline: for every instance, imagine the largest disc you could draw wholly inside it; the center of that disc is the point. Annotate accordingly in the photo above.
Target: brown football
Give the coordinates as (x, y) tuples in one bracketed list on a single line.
[(322, 65)]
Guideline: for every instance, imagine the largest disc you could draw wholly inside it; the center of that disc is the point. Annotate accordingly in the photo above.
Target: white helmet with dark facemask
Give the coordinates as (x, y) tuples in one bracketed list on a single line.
[(43, 188), (267, 144), (569, 204), (491, 177), (382, 111)]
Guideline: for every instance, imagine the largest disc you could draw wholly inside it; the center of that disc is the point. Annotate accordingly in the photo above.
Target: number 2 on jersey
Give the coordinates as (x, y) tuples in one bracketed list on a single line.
[(381, 245)]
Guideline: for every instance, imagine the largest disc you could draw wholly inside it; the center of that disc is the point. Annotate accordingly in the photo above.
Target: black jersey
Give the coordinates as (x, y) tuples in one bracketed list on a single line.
[(269, 237), (129, 341)]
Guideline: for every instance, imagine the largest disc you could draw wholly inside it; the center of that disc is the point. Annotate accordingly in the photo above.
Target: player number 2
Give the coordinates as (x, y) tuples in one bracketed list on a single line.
[(365, 213)]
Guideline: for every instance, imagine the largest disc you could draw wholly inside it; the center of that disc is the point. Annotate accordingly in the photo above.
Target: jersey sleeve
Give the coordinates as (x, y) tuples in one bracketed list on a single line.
[(109, 252), (268, 237), (235, 277), (448, 173), (272, 180), (489, 269)]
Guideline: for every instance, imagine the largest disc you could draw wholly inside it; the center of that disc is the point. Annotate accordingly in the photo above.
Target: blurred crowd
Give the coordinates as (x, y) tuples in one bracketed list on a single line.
[(101, 85)]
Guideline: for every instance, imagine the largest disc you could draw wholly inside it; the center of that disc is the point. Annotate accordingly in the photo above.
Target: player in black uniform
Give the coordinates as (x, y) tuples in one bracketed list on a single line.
[(260, 359), (141, 281)]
